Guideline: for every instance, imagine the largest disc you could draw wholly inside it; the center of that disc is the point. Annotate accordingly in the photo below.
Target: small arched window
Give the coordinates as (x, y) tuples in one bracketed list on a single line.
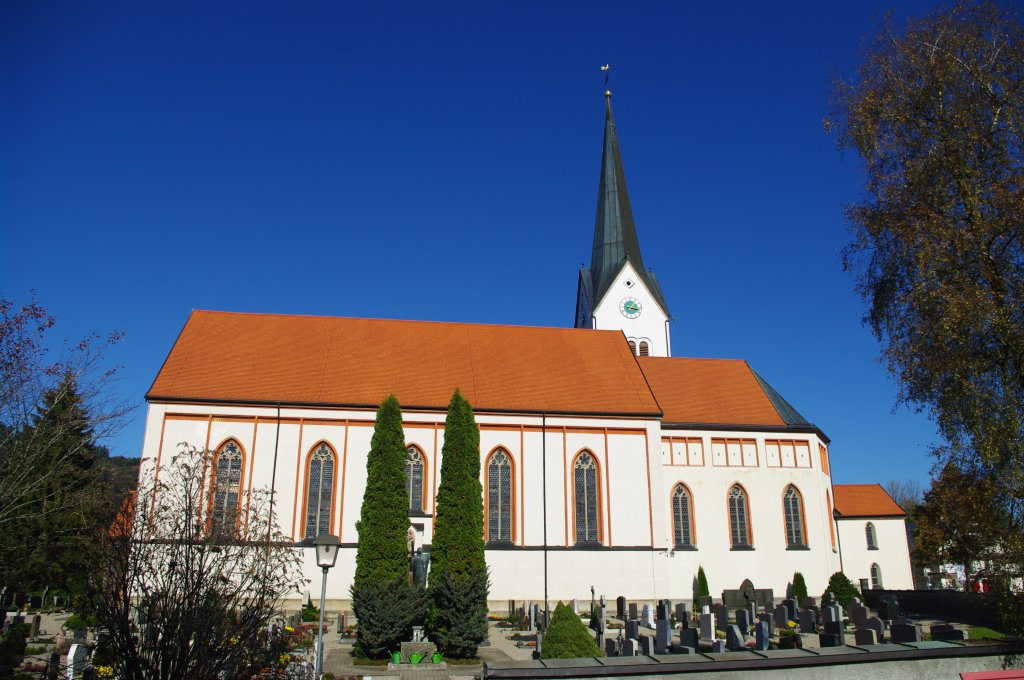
[(793, 513), (645, 349), (632, 346), (869, 531), (226, 483), (682, 513), (585, 485), (499, 497), (739, 522), (876, 577), (414, 479), (319, 491)]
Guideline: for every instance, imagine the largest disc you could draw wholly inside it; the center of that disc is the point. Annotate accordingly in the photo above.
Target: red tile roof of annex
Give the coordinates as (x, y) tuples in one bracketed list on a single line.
[(865, 500)]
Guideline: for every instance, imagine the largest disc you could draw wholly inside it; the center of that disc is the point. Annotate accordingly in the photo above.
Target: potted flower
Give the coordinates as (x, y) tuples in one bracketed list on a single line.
[(789, 638)]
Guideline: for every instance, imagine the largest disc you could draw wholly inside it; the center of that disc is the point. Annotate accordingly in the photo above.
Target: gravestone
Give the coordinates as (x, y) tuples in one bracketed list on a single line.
[(752, 611), (342, 623), (888, 609), (80, 636), (664, 611), (611, 647), (689, 637), (810, 602), (721, 618), (633, 629), (35, 602), (647, 618), (836, 628), (707, 627), (781, 616), (743, 620), (33, 631), (831, 613), (878, 625), (947, 633), (706, 601), (851, 601), (766, 617), (646, 645), (682, 614), (761, 635), (511, 608), (633, 611), (733, 638), (575, 606), (621, 608), (631, 647), (790, 604), (718, 647), (903, 632), (76, 661), (533, 617), (858, 614), (663, 636), (865, 636), (808, 621), (828, 640), (705, 609)]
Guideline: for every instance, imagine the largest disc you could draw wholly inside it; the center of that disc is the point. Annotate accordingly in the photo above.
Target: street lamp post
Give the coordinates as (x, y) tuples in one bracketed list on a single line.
[(326, 555)]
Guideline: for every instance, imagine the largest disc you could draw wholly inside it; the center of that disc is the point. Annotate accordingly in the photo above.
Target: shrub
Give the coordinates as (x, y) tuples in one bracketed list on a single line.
[(457, 618), (799, 588), (12, 648), (567, 637), (80, 621), (702, 586), (310, 612), (841, 588)]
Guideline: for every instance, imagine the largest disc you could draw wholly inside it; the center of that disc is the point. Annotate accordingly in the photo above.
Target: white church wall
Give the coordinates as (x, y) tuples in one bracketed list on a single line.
[(649, 326), (892, 554)]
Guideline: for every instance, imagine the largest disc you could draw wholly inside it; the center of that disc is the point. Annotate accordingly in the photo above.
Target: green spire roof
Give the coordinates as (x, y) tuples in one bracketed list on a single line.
[(615, 239)]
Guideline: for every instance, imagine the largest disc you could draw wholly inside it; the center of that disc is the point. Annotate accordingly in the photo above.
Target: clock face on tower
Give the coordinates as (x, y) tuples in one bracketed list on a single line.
[(630, 307)]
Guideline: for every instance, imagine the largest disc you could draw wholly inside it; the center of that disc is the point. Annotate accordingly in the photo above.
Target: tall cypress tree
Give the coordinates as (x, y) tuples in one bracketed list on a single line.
[(384, 602), (457, 618)]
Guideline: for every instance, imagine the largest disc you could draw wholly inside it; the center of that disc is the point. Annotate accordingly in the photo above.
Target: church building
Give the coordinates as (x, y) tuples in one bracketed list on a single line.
[(605, 461)]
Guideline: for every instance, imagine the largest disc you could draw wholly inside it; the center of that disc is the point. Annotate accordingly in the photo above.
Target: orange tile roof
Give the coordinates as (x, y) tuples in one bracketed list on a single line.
[(270, 358), (712, 391), (865, 500)]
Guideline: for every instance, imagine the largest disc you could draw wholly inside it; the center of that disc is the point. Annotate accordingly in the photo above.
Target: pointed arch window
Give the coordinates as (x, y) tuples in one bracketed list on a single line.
[(632, 346), (682, 514), (499, 497), (645, 349), (869, 533), (830, 520), (739, 521), (585, 486), (226, 483), (792, 510), (319, 491), (876, 577), (414, 467)]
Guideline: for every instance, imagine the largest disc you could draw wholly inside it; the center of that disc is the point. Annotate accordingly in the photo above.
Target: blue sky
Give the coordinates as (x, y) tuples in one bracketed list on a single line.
[(440, 161)]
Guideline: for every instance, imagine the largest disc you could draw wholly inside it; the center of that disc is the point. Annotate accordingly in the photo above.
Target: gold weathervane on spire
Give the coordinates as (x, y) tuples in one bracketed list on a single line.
[(607, 72)]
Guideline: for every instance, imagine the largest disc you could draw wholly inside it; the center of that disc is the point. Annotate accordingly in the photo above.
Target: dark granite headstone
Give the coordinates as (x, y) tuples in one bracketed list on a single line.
[(878, 625), (888, 609), (689, 637), (903, 632), (707, 601), (682, 614), (633, 611), (646, 645), (828, 640), (664, 612), (631, 647), (865, 636), (733, 638), (662, 636), (632, 629), (808, 621), (611, 647), (721, 617), (621, 608), (946, 633), (790, 604), (707, 626), (743, 620), (761, 635), (718, 647), (33, 630), (836, 628), (781, 616)]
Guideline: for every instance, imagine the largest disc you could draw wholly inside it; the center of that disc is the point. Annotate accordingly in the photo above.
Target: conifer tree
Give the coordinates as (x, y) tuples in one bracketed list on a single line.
[(457, 618), (702, 585), (799, 588), (383, 600), (567, 637)]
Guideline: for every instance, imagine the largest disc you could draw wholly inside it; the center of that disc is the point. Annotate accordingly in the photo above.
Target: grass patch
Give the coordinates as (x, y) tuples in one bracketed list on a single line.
[(34, 650), (370, 662), (981, 632)]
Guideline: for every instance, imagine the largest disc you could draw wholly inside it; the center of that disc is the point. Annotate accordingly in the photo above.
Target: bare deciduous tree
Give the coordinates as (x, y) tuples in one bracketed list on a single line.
[(180, 600)]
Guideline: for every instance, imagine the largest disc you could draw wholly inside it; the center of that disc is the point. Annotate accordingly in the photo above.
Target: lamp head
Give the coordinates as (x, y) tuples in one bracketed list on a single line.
[(326, 550)]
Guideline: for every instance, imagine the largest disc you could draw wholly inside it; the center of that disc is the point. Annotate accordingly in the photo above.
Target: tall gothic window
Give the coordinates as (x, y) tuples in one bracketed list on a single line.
[(414, 479), (227, 483), (792, 512), (319, 488), (869, 531), (876, 577), (585, 484), (682, 529), (499, 497), (739, 524)]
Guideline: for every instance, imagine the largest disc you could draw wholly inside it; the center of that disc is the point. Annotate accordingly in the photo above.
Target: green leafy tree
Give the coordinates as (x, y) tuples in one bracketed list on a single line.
[(936, 112), (842, 589), (457, 618), (799, 588), (385, 603), (567, 637), (702, 585)]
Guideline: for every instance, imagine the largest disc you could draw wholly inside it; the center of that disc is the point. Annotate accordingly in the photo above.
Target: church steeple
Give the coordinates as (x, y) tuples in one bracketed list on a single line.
[(617, 291), (615, 238)]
